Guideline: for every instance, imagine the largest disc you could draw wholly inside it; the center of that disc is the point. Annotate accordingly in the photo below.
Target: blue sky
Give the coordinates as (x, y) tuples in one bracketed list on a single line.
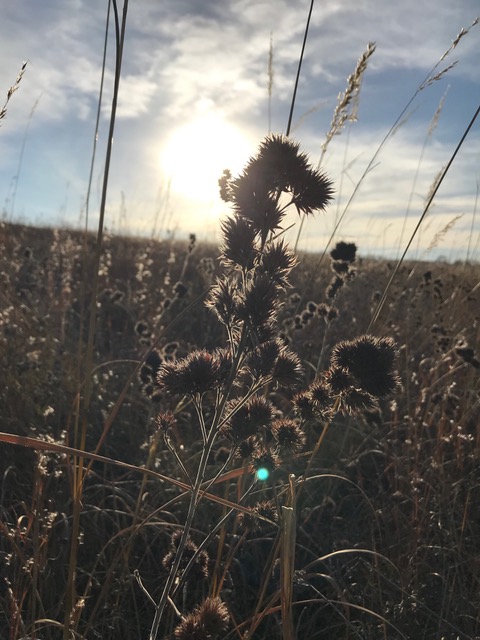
[(194, 99)]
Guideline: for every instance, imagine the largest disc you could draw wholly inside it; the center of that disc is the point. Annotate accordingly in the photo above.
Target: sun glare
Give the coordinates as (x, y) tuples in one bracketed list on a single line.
[(197, 153)]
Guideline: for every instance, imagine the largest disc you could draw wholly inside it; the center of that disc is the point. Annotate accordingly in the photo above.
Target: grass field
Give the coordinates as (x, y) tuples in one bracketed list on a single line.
[(387, 527), (204, 442)]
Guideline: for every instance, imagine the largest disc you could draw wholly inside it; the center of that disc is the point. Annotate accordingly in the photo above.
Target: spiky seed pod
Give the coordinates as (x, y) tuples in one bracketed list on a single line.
[(265, 459), (322, 310), (287, 169), (339, 379), (252, 523), (148, 373), (249, 418), (198, 373), (355, 401), (280, 161), (260, 411), (253, 200), (189, 629), (345, 251), (303, 405), (189, 551), (313, 191), (288, 371), (261, 361), (277, 261), (370, 361), (259, 302), (321, 395), (238, 248), (165, 421), (208, 621), (246, 448), (214, 617), (223, 299), (288, 435)]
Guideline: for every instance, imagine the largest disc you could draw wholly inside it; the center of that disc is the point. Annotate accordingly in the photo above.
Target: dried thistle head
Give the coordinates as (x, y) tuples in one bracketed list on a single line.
[(256, 520), (288, 435), (288, 371), (247, 419), (199, 372), (258, 302), (277, 262), (261, 361), (208, 621), (344, 251), (238, 247), (369, 360), (223, 300)]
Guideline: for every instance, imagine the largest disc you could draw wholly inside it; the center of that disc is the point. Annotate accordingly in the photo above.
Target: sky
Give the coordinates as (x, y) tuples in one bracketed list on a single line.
[(194, 99)]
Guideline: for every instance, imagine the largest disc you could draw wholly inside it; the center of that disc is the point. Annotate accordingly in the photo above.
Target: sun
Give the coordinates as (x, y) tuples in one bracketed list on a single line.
[(196, 154)]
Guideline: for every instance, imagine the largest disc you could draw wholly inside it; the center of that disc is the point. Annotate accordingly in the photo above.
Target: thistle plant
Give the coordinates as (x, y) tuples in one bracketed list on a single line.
[(244, 398)]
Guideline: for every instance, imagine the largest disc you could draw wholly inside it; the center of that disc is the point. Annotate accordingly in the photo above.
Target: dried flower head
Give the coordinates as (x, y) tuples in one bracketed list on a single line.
[(355, 401), (321, 395), (277, 261), (259, 302), (208, 621), (261, 360), (265, 459), (303, 405), (288, 435), (339, 379), (370, 361), (238, 248), (254, 521), (199, 372), (224, 185), (335, 284), (288, 371), (254, 200), (189, 552), (223, 299), (289, 170), (165, 421), (344, 251), (249, 418)]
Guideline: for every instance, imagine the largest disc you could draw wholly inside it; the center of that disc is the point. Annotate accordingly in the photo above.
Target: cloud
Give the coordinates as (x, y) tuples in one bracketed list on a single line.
[(183, 55)]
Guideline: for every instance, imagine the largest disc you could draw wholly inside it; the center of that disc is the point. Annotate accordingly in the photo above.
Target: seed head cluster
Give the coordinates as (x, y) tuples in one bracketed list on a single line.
[(199, 372), (208, 621)]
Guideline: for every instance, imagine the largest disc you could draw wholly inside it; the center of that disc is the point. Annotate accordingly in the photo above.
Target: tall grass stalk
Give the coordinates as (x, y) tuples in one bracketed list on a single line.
[(11, 91), (80, 439), (299, 68)]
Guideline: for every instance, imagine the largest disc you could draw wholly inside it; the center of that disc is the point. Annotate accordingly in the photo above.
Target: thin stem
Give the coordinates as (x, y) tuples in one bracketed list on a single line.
[(292, 105), (422, 217)]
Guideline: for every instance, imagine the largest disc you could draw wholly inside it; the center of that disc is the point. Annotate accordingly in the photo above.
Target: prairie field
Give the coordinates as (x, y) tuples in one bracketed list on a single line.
[(386, 530), (238, 439)]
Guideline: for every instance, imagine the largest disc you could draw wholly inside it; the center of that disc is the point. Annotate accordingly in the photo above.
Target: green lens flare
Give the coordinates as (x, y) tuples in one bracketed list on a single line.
[(262, 473)]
